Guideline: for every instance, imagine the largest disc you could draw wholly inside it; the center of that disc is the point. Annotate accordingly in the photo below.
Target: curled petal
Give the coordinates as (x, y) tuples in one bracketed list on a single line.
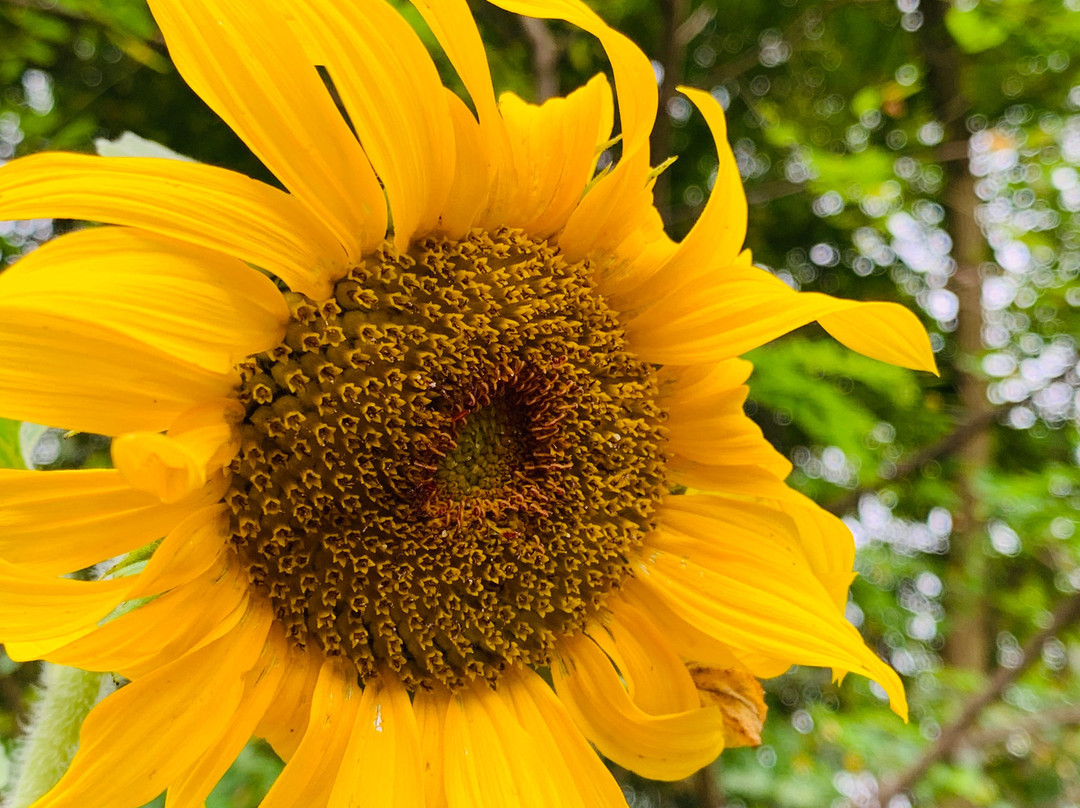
[(660, 747)]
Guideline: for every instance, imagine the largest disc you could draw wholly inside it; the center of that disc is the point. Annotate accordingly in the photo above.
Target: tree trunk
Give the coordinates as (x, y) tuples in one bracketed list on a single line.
[(672, 58), (968, 636)]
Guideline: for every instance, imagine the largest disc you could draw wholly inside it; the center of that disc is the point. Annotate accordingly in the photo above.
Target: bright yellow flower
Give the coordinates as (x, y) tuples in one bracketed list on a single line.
[(478, 490)]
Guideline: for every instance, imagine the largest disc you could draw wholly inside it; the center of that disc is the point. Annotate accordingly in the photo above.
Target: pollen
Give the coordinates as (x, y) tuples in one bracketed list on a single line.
[(446, 465)]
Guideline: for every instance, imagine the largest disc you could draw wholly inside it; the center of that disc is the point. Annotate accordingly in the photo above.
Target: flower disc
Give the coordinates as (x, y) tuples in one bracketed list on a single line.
[(445, 465)]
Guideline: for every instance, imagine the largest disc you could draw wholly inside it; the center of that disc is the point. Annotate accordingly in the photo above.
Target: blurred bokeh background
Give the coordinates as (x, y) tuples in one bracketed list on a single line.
[(920, 151)]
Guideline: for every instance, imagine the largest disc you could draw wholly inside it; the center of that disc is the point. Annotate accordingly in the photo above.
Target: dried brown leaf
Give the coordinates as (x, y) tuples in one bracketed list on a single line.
[(739, 696)]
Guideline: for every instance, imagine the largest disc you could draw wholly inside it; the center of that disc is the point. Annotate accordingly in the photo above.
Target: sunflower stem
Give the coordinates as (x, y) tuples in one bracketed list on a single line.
[(52, 736)]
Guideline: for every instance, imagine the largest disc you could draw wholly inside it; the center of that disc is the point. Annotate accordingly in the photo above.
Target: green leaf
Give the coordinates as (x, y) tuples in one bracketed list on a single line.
[(975, 31), (852, 175), (814, 382), (868, 98), (42, 25), (10, 455)]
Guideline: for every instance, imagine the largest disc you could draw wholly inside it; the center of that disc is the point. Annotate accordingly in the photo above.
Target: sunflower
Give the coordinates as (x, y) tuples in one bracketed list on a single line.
[(440, 452)]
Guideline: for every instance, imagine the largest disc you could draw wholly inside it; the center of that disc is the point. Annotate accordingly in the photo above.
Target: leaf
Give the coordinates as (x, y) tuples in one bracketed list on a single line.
[(126, 16), (809, 380), (10, 455), (851, 175), (974, 31), (868, 98), (42, 25)]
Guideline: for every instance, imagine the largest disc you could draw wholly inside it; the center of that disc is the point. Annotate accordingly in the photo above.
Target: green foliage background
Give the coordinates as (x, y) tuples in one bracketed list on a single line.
[(912, 150)]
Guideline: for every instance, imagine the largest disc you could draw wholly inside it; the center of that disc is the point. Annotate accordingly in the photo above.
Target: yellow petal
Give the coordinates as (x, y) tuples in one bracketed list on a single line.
[(655, 677), (260, 687), (244, 62), (36, 606), (883, 331), (474, 167), (717, 236), (77, 375), (42, 513), (429, 707), (720, 231), (827, 543), (314, 767), (707, 422), (198, 445), (191, 548), (802, 527), (736, 308), (286, 719), (196, 203), (210, 432), (38, 628), (618, 208), (490, 762), (575, 768), (134, 644), (382, 767), (692, 644), (660, 747), (734, 480), (723, 438), (554, 148), (823, 539), (395, 102), (159, 465), (696, 386), (738, 521), (128, 753), (763, 599), (720, 526), (618, 227), (635, 80), (454, 27), (195, 304)]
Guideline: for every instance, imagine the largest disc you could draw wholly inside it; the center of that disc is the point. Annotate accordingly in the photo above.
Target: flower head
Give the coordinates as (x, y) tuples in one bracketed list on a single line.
[(475, 491)]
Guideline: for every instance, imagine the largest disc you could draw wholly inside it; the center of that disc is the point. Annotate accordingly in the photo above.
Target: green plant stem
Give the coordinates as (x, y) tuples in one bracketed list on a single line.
[(67, 695)]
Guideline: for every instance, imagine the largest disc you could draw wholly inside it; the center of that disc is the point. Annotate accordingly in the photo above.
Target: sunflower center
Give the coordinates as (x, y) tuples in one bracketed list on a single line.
[(446, 465), (489, 447)]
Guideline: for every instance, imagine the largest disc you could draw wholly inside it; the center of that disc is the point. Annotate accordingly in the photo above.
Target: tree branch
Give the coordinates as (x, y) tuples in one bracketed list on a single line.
[(56, 10), (51, 8), (952, 442), (545, 57), (707, 787), (1060, 716), (951, 736), (776, 189), (673, 58), (695, 24), (793, 35)]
